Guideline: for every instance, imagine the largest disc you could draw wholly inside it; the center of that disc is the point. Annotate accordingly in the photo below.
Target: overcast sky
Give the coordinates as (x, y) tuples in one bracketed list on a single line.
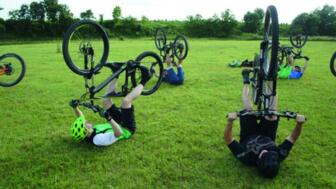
[(180, 9)]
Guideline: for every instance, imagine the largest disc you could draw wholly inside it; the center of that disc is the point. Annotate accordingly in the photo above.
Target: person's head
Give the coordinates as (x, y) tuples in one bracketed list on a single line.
[(268, 163), (81, 129), (297, 68)]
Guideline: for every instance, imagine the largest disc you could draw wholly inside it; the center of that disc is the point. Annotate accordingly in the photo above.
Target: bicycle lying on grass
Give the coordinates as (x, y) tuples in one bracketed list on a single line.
[(333, 64), (178, 48), (12, 69), (265, 66), (85, 51)]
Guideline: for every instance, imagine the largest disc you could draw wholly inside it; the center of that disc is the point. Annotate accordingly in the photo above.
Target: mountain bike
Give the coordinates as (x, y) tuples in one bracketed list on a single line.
[(178, 48), (285, 50), (298, 38), (12, 69), (85, 51), (265, 66), (333, 64)]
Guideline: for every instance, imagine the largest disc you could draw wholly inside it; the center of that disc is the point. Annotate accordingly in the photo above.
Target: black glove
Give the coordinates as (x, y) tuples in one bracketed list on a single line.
[(74, 103)]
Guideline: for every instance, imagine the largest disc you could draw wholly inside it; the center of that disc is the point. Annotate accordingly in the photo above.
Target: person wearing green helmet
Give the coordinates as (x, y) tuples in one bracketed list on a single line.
[(121, 121)]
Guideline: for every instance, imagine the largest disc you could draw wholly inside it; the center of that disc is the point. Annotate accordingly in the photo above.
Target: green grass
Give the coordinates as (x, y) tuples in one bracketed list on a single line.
[(179, 142)]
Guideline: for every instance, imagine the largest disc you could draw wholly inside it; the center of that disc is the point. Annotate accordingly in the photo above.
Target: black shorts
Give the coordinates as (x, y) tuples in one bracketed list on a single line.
[(249, 126), (125, 117)]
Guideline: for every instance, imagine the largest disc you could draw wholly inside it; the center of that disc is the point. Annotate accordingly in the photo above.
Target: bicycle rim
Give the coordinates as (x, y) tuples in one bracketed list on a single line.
[(12, 69), (85, 47)]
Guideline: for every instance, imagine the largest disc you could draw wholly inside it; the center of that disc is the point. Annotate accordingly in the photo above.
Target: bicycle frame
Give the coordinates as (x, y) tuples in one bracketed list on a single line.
[(92, 90), (167, 49)]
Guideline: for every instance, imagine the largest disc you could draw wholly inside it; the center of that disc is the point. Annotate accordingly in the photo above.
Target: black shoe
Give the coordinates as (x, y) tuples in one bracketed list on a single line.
[(246, 76), (145, 75), (113, 66)]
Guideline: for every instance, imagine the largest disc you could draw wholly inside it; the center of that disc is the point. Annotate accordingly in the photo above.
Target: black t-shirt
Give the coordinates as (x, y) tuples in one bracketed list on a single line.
[(248, 150)]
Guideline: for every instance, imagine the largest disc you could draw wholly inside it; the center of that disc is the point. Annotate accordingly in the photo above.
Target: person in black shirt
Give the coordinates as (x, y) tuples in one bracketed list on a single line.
[(257, 146)]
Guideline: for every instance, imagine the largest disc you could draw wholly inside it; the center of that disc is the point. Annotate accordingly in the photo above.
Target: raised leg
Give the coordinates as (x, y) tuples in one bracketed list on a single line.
[(107, 102), (128, 100), (246, 98)]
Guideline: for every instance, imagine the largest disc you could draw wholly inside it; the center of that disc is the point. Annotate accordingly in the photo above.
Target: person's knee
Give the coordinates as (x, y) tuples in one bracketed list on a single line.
[(107, 103), (126, 102)]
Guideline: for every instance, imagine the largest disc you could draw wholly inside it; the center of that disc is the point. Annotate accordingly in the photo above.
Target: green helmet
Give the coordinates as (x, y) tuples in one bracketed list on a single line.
[(78, 129)]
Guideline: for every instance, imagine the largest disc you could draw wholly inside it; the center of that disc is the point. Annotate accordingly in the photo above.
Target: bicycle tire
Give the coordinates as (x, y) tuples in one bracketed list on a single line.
[(66, 55), (332, 64), (160, 36), (178, 46), (22, 73), (158, 63), (298, 43), (256, 81), (270, 66)]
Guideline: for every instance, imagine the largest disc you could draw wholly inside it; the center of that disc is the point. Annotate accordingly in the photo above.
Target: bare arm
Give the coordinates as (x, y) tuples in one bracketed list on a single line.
[(116, 128), (78, 112), (297, 130), (305, 66), (228, 129)]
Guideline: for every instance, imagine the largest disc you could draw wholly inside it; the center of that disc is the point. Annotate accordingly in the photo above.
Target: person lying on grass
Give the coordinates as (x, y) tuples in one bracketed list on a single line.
[(257, 145), (170, 76), (121, 121), (290, 71)]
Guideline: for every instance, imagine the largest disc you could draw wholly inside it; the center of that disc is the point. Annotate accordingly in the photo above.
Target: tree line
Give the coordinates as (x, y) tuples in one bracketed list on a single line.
[(49, 19)]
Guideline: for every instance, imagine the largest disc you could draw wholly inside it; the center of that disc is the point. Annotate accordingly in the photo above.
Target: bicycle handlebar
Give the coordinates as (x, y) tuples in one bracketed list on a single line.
[(286, 114), (94, 108)]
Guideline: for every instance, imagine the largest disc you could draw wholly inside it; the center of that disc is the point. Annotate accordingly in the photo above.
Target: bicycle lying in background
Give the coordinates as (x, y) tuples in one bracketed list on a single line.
[(178, 48), (265, 66), (333, 64), (85, 51), (12, 69)]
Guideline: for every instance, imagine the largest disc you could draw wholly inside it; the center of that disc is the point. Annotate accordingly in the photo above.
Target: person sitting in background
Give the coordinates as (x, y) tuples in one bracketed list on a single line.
[(170, 76), (289, 71)]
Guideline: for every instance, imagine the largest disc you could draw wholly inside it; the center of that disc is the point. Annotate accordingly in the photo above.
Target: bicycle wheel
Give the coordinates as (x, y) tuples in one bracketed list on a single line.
[(12, 69), (154, 64), (298, 37), (333, 64), (85, 47), (270, 44), (181, 47), (160, 39)]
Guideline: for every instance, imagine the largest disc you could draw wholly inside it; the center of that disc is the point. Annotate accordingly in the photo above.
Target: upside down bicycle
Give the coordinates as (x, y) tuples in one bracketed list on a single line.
[(178, 48), (264, 78), (85, 51), (12, 69), (298, 38)]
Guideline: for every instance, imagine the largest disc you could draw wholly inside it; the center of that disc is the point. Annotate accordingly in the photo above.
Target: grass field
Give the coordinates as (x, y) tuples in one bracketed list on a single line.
[(179, 141)]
